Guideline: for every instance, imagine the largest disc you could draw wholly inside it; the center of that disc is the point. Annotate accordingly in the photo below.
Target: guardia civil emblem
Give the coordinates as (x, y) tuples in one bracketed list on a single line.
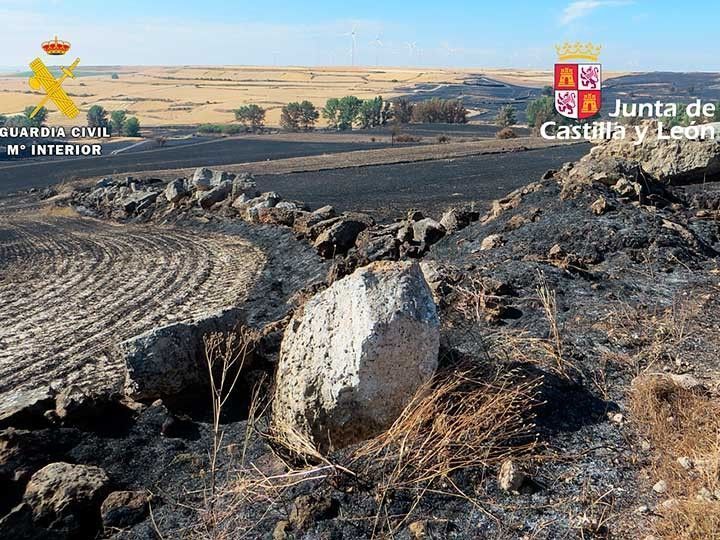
[(578, 85)]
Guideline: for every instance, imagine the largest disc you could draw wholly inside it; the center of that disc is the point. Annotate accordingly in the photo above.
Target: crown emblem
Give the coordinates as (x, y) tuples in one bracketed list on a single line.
[(585, 51), (56, 47)]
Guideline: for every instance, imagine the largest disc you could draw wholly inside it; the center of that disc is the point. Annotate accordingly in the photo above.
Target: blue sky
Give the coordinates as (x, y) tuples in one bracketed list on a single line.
[(635, 34)]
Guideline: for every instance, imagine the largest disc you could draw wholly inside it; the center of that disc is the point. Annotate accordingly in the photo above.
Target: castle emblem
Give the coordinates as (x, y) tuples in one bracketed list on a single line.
[(578, 86)]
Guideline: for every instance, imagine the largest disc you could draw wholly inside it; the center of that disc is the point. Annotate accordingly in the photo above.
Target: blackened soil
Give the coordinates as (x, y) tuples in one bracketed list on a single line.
[(387, 191)]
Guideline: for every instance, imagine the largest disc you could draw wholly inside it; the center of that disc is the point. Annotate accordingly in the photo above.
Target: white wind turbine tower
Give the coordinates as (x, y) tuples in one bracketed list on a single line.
[(412, 46), (450, 51), (377, 42), (353, 36)]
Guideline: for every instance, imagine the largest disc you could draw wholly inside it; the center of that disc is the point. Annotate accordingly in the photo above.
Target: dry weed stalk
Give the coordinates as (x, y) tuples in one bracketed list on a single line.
[(549, 303), (680, 422), (225, 355), (475, 302)]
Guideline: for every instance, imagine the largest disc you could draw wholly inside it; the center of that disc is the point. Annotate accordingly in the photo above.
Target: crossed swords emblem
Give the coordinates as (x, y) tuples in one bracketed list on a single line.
[(44, 80)]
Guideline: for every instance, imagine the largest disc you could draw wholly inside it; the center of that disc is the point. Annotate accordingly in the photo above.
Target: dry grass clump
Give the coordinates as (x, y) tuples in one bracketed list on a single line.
[(51, 210), (659, 334), (478, 299), (456, 422), (482, 300), (681, 422), (506, 133), (459, 422)]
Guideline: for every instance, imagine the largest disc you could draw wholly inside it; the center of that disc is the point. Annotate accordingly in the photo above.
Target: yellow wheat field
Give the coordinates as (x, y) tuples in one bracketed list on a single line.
[(164, 96)]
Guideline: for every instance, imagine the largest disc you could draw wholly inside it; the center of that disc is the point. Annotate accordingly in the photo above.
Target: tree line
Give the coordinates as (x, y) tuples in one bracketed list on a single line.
[(346, 113)]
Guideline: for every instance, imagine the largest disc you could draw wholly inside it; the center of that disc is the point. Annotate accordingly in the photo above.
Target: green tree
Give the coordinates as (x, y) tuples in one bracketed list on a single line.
[(251, 115), (290, 116), (371, 113), (716, 118), (37, 120), (296, 116), (117, 121), (19, 120), (97, 117), (308, 115), (402, 110), (540, 110), (3, 119), (132, 127), (506, 117), (449, 111), (349, 110), (115, 76), (547, 91), (342, 113), (331, 111)]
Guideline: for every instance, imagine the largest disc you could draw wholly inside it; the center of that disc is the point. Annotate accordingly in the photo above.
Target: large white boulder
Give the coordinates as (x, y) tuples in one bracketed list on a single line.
[(356, 355)]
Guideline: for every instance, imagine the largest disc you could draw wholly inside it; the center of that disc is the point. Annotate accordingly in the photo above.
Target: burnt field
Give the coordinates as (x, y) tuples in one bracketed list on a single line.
[(16, 176), (389, 190)]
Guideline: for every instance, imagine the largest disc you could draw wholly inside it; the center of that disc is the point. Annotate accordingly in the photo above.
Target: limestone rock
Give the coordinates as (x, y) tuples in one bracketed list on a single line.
[(202, 179), (457, 219), (169, 359), (123, 509), (175, 190), (352, 360), (511, 476), (660, 486), (339, 237), (377, 245), (491, 242), (427, 231), (243, 185), (138, 201), (277, 216), (670, 161), (215, 195), (18, 525), (66, 497)]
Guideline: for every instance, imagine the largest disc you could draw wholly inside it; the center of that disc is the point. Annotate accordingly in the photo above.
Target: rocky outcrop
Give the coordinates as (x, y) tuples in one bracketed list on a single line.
[(167, 360), (66, 497), (205, 179), (668, 161), (352, 360)]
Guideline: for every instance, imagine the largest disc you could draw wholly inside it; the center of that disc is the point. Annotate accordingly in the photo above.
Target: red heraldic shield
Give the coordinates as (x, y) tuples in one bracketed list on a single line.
[(578, 90)]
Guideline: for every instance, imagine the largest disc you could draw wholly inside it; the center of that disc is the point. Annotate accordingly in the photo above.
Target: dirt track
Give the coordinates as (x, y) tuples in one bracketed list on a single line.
[(73, 287)]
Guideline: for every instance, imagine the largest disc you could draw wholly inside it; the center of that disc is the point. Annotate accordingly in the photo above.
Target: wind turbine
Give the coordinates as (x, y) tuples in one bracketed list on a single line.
[(353, 36), (378, 47), (412, 46), (450, 51)]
